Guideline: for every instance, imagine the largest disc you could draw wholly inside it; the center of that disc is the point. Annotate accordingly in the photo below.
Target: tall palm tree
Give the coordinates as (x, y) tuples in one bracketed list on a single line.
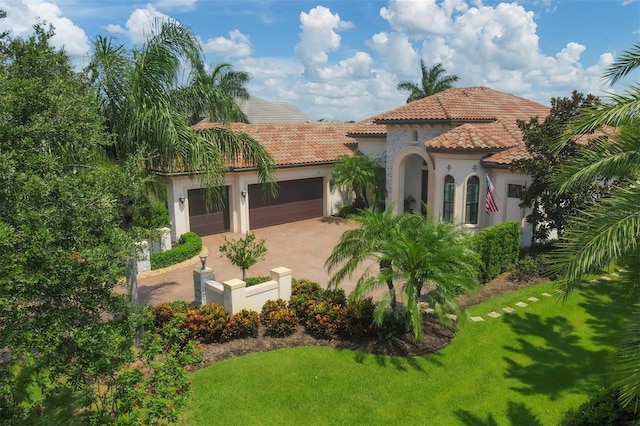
[(358, 245), (434, 80), (144, 103), (609, 231)]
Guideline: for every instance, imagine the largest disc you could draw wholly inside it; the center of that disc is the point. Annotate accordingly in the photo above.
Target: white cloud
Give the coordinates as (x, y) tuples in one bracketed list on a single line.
[(22, 15), (318, 37), (398, 52), (139, 23), (419, 18), (237, 45)]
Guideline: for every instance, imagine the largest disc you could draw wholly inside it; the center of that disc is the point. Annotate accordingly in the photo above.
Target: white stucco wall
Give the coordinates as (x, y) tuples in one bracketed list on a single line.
[(178, 186)]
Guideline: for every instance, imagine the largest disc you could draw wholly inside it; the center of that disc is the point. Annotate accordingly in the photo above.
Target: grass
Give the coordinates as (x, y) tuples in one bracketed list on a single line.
[(528, 367)]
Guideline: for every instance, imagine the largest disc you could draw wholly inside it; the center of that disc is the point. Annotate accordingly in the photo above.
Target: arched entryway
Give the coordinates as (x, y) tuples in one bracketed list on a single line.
[(412, 181)]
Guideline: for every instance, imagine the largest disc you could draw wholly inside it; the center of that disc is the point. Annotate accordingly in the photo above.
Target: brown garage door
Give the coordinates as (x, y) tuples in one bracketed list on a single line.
[(204, 222), (296, 200)]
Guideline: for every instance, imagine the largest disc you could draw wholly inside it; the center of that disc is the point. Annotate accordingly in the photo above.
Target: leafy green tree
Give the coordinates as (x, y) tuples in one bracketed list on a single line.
[(244, 252), (609, 231), (356, 174), (148, 110), (434, 80), (550, 209), (364, 243), (61, 245)]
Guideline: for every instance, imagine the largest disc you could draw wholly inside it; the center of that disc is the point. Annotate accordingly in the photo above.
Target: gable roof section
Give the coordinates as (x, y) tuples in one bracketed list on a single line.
[(466, 105), (296, 144), (368, 128)]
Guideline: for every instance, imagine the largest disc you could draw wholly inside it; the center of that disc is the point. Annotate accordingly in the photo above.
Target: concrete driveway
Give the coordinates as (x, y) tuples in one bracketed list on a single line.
[(301, 246)]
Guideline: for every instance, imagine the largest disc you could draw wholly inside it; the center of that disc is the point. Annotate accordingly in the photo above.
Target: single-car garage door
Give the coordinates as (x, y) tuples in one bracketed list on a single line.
[(203, 222), (296, 200)]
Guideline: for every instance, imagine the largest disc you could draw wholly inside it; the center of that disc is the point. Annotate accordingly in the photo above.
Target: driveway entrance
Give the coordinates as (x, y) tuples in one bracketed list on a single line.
[(301, 246)]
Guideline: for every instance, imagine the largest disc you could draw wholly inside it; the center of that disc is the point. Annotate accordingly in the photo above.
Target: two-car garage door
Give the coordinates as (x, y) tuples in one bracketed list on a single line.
[(296, 200)]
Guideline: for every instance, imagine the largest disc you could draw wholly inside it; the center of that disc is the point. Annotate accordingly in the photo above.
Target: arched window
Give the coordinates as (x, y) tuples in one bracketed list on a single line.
[(473, 195), (449, 196)]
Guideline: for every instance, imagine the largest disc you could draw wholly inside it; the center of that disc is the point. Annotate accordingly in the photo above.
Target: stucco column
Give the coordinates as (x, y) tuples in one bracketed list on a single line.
[(200, 277)]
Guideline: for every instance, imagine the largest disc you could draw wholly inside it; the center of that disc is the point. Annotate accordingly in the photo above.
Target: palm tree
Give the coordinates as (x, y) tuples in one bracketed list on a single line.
[(214, 92), (365, 243), (356, 174), (149, 111), (434, 80), (415, 251), (609, 231)]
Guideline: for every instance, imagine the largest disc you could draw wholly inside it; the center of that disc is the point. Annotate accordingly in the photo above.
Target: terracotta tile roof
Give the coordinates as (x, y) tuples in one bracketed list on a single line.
[(297, 143), (506, 157), (493, 135), (368, 127), (466, 104)]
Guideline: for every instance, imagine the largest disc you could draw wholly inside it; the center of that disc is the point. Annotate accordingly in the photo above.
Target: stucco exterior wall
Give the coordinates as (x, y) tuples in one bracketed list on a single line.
[(178, 186)]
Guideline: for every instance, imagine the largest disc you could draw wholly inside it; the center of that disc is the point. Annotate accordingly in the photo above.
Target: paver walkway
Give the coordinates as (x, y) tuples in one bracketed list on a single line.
[(301, 246)]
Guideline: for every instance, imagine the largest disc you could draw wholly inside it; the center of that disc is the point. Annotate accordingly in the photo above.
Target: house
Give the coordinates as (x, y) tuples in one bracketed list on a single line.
[(438, 153)]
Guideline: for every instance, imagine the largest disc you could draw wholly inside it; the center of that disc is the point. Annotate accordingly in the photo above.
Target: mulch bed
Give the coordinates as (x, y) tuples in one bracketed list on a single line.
[(436, 335)]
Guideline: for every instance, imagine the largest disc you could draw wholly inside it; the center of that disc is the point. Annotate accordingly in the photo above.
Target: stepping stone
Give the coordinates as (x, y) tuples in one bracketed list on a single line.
[(614, 274), (453, 317), (584, 285), (521, 304), (546, 294), (594, 281), (534, 299), (622, 270), (508, 310), (429, 311), (477, 319), (493, 314), (606, 278)]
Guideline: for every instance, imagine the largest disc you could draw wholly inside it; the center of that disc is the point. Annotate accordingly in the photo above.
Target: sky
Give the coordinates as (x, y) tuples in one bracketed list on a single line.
[(342, 59)]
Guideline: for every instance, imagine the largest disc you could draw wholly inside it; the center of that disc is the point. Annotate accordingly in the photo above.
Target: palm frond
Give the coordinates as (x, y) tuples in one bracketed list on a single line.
[(627, 369), (622, 66), (598, 236)]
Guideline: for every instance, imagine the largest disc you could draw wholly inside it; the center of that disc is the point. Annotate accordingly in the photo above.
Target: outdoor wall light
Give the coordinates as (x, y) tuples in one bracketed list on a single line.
[(203, 259), (181, 199), (243, 192)]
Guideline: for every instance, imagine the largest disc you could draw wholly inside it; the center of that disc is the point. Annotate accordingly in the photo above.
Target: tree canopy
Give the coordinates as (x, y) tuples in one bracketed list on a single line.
[(550, 209)]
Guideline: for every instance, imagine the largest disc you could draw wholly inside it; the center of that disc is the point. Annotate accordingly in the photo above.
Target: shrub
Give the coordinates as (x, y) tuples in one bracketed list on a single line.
[(306, 287), (245, 323), (164, 312), (300, 304), (602, 409), (525, 269), (358, 317), (208, 322), (256, 280), (324, 319), (270, 306), (335, 296), (152, 214), (190, 245), (281, 322), (498, 247)]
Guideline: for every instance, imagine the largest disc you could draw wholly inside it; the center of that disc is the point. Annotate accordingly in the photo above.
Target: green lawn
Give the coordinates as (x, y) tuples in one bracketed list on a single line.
[(524, 368)]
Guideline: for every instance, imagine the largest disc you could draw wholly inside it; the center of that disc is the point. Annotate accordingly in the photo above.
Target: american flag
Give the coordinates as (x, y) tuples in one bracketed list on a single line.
[(490, 205)]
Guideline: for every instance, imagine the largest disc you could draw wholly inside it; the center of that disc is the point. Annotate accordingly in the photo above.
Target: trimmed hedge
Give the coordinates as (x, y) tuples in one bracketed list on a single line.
[(498, 247), (190, 245)]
